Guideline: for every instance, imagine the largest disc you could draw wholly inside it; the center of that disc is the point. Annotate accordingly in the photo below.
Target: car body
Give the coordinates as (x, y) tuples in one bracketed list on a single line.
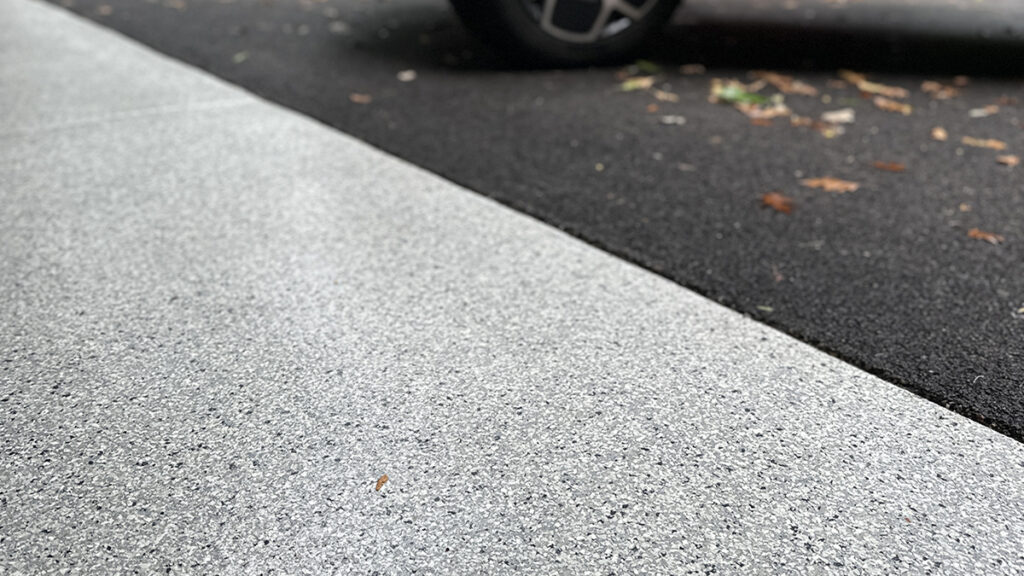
[(565, 32)]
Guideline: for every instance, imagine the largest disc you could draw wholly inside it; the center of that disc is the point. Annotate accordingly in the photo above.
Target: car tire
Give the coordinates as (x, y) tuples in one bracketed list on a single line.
[(516, 28)]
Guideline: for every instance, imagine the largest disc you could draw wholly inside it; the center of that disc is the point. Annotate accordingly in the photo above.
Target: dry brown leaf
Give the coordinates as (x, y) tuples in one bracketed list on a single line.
[(890, 166), (985, 112), (760, 122), (691, 69), (883, 90), (824, 128), (777, 202), (986, 236), (786, 84), (357, 98), (961, 81), (1008, 160), (939, 91), (864, 85), (829, 184), (939, 133), (664, 96), (964, 207), (990, 143), (893, 106), (852, 77), (652, 108), (381, 481), (763, 112)]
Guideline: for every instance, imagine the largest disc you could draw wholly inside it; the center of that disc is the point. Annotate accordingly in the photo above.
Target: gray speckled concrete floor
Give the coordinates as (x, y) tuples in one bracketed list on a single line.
[(223, 322)]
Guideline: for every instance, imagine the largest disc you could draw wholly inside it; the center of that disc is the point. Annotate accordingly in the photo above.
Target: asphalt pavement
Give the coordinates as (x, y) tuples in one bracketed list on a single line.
[(236, 341), (887, 277)]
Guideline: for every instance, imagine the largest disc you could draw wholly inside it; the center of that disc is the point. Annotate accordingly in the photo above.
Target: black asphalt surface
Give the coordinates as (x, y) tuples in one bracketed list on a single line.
[(885, 277)]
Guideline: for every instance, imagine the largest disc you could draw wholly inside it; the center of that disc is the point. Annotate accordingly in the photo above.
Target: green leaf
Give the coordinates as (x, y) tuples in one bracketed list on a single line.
[(734, 94), (637, 83)]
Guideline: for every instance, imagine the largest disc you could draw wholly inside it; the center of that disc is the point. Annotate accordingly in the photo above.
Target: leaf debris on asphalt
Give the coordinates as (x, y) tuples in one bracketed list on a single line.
[(938, 90), (637, 83), (735, 92), (826, 129), (985, 112), (406, 76), (786, 84), (829, 130), (989, 237), (358, 98), (692, 69), (890, 166), (744, 97), (381, 482), (841, 116), (664, 96), (673, 120), (883, 90), (990, 143), (777, 202), (864, 85), (890, 105), (830, 184), (763, 112), (852, 77), (939, 133), (1008, 160)]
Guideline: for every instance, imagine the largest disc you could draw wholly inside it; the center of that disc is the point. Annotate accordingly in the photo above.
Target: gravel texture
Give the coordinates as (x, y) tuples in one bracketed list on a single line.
[(885, 277)]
